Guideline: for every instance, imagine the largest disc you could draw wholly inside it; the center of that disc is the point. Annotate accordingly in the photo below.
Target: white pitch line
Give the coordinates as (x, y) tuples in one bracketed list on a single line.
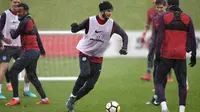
[(54, 78)]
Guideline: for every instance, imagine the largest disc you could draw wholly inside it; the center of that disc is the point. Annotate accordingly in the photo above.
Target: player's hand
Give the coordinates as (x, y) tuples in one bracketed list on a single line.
[(43, 53), (123, 51), (74, 27), (142, 38), (6, 40), (1, 47), (192, 61)]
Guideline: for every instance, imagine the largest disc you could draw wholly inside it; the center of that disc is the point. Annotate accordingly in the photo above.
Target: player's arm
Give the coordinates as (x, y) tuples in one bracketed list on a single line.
[(192, 40), (75, 27), (20, 30), (42, 51), (192, 37), (2, 24), (147, 27), (118, 30)]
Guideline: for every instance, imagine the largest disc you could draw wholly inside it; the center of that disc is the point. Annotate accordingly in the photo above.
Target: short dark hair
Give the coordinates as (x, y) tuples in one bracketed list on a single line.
[(25, 6), (105, 5), (161, 2), (173, 2)]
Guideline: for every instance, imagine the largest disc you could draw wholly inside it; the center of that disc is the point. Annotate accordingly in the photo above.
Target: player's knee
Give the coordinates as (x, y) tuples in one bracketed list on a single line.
[(4, 66), (11, 74), (85, 73), (31, 76), (90, 86)]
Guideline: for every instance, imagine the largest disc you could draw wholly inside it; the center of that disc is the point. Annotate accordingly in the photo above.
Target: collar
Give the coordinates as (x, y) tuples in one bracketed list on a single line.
[(13, 12), (174, 8), (24, 17)]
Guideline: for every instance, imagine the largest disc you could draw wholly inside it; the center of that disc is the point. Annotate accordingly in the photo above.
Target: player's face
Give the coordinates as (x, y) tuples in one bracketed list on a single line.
[(108, 13), (161, 8), (153, 3), (21, 12), (14, 4)]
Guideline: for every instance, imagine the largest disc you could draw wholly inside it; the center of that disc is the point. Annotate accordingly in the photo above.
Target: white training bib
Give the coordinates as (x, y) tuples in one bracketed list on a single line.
[(12, 22), (96, 41)]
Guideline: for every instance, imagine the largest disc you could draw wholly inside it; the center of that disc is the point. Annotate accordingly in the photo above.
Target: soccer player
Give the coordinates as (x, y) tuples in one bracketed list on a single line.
[(32, 48), (161, 6), (150, 15), (98, 31), (175, 37), (9, 20)]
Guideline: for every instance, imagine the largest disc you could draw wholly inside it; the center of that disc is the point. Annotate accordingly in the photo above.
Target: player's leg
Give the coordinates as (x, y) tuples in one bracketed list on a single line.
[(8, 81), (90, 83), (3, 68), (16, 68), (161, 75), (88, 86), (155, 99), (32, 76), (170, 79), (26, 91), (84, 64), (4, 60), (85, 71), (180, 69), (150, 58)]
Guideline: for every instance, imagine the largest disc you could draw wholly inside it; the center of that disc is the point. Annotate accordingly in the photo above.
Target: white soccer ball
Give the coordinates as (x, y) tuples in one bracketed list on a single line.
[(112, 106)]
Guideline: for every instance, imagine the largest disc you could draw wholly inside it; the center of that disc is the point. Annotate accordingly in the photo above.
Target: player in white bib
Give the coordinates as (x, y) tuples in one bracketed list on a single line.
[(98, 31), (8, 21)]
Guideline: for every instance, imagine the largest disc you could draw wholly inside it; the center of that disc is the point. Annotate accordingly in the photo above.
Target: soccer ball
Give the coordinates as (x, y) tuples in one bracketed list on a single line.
[(112, 106)]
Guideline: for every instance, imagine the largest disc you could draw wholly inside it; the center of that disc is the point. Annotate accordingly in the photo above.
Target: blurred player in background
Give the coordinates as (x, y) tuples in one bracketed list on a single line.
[(9, 20), (175, 38), (150, 15), (32, 48), (98, 31)]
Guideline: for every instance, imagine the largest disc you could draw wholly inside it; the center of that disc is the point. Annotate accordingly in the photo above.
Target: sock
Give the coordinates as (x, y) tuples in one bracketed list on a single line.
[(8, 84), (149, 70), (72, 95), (16, 98), (181, 108), (45, 99), (164, 105), (0, 87), (187, 82), (155, 97), (26, 87)]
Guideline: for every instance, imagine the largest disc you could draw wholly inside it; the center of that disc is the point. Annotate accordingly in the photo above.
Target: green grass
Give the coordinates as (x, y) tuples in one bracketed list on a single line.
[(119, 81), (130, 14)]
